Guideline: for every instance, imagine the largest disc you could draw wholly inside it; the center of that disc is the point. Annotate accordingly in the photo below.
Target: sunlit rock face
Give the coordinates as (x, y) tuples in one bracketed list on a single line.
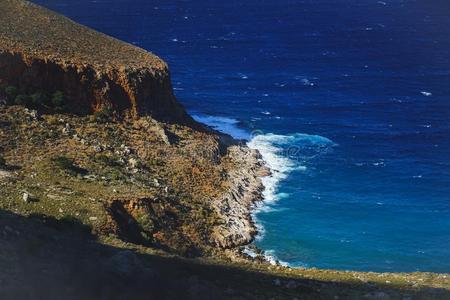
[(40, 49)]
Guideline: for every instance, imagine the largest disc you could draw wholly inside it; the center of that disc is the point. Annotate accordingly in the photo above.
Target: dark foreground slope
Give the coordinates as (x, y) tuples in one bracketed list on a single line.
[(43, 258), (104, 207)]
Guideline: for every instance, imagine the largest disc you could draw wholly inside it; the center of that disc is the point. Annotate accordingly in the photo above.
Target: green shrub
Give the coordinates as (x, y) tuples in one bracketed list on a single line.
[(63, 162), (23, 100), (2, 90), (11, 93), (2, 162), (58, 99), (106, 160), (105, 113), (116, 175), (34, 100), (68, 165), (40, 99)]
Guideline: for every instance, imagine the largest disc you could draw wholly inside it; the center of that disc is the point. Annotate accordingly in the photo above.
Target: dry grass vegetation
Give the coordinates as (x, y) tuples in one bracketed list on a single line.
[(32, 30), (76, 167), (146, 187), (102, 206)]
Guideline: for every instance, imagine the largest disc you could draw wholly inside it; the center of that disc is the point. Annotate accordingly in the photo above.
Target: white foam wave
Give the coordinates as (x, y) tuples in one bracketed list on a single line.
[(223, 124), (269, 255), (275, 151), (279, 164), (250, 252), (306, 81)]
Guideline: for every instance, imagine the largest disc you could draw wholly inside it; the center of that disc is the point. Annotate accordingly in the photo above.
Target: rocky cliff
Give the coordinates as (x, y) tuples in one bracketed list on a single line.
[(40, 49), (233, 208), (95, 208), (43, 51)]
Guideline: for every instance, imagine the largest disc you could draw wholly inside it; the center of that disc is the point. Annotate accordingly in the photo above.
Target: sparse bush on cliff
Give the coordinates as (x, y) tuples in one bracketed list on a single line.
[(3, 98), (116, 175), (58, 100), (63, 162), (105, 113), (40, 99), (2, 162), (68, 165), (11, 93), (106, 160), (23, 100), (36, 99)]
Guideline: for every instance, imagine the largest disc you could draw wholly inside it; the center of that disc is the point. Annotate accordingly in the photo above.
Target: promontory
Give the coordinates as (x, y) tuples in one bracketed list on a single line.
[(110, 190)]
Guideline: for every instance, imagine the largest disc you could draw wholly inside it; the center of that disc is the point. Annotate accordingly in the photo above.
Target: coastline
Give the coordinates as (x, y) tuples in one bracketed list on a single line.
[(252, 182), (236, 205), (143, 207)]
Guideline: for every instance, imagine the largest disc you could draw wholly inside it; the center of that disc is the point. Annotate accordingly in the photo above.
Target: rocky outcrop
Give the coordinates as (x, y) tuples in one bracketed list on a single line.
[(40, 49), (234, 207)]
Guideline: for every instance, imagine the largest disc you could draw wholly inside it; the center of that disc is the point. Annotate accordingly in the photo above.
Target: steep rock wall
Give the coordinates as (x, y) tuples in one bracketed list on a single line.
[(40, 49)]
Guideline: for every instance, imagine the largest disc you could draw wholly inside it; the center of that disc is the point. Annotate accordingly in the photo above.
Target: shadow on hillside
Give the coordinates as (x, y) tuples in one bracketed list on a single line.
[(43, 258)]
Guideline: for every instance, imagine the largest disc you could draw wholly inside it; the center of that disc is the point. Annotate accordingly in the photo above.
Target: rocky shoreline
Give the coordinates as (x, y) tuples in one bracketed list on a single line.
[(98, 74), (235, 206), (139, 199)]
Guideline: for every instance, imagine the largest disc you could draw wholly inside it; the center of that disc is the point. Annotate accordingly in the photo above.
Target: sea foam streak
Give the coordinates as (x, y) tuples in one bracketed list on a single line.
[(280, 165), (283, 154), (223, 124)]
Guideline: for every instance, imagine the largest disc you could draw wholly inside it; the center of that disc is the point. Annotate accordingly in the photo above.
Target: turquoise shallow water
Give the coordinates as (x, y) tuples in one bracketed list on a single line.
[(350, 104)]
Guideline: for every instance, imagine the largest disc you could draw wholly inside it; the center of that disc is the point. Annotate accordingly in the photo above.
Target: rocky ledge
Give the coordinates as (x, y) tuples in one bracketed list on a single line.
[(40, 49), (42, 52), (127, 195), (235, 205)]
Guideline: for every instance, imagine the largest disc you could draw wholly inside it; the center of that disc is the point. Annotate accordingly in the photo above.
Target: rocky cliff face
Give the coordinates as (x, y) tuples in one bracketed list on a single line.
[(233, 208), (146, 189), (40, 49)]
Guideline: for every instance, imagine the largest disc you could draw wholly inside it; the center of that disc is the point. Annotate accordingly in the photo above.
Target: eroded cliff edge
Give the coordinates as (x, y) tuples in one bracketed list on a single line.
[(93, 208), (40, 49), (43, 52)]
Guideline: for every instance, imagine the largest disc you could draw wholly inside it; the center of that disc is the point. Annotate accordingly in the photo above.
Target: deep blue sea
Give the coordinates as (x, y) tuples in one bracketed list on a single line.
[(347, 100)]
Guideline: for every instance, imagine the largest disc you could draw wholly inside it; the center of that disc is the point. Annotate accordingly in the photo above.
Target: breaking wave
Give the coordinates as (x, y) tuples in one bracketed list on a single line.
[(283, 154)]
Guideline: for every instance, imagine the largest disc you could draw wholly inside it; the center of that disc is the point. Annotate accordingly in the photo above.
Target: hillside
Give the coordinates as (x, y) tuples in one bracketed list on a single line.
[(43, 50), (109, 190)]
